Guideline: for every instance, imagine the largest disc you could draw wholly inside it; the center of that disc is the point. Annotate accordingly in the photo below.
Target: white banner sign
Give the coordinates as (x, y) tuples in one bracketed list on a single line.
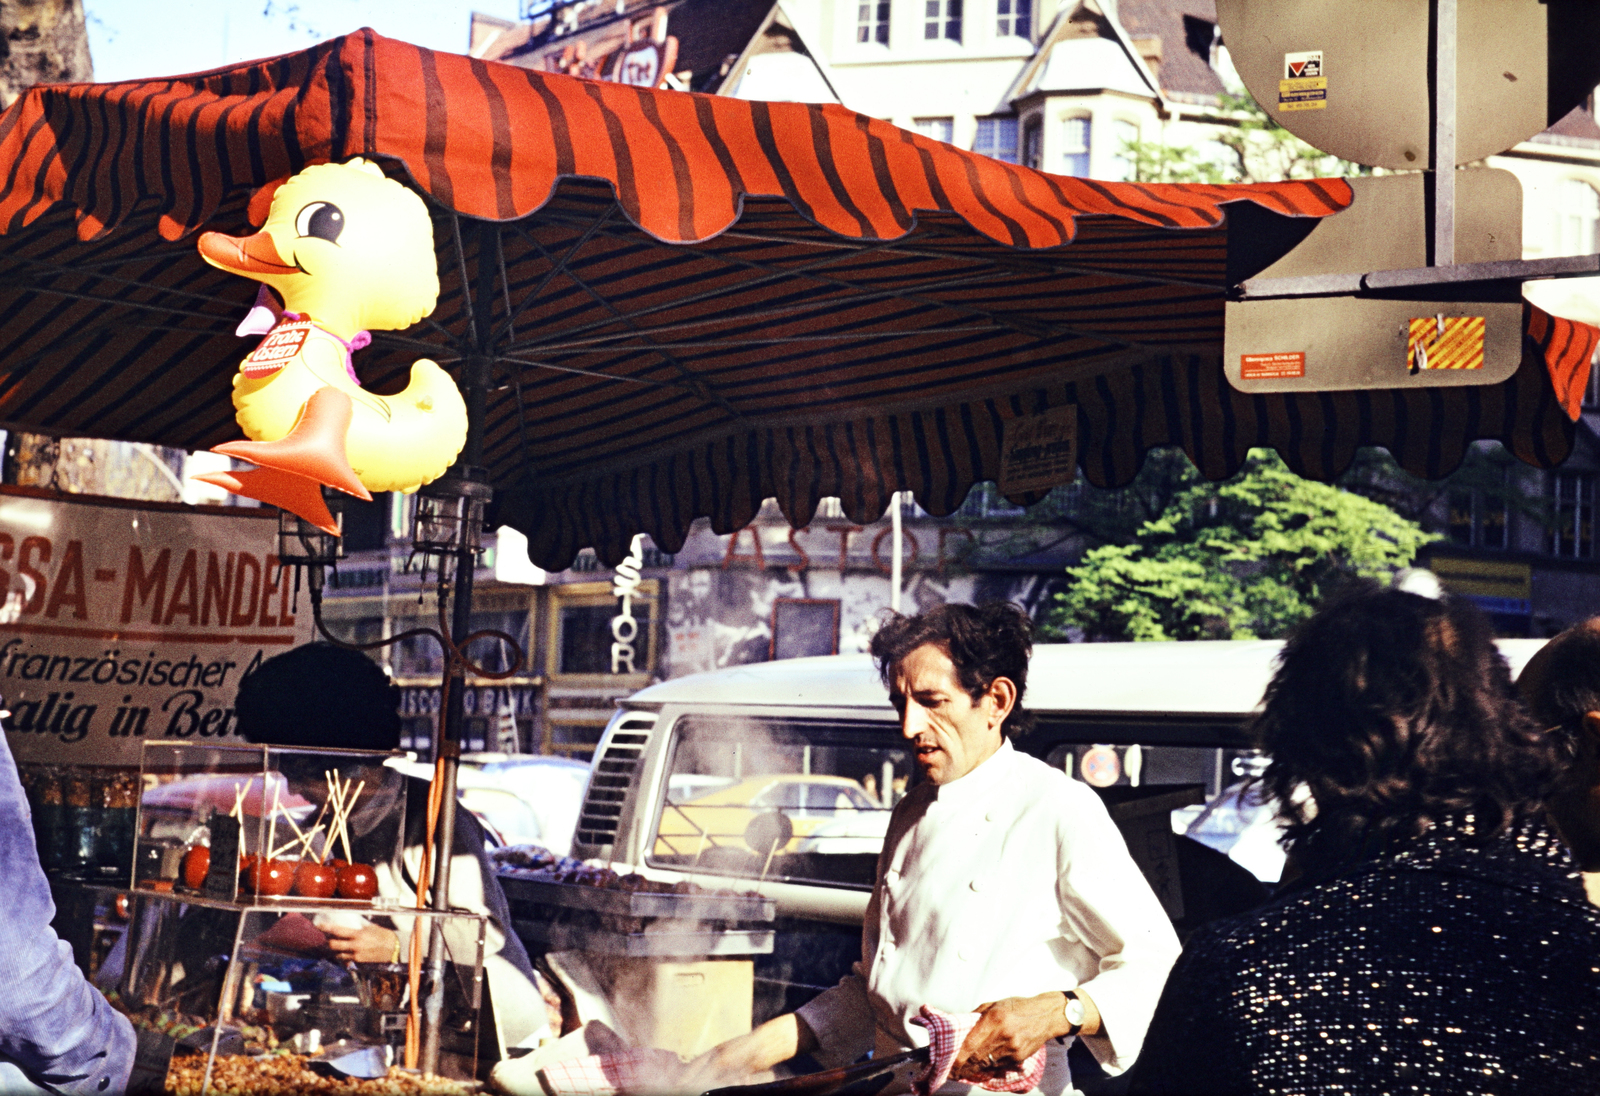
[(122, 620)]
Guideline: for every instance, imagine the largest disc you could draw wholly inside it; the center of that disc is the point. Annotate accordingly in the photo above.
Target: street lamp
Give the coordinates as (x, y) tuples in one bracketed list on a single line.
[(449, 525)]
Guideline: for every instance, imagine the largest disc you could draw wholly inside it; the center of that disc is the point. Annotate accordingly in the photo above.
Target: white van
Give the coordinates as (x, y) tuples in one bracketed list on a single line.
[(686, 766)]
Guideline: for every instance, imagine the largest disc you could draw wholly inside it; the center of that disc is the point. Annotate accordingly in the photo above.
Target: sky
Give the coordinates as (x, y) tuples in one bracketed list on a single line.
[(129, 39)]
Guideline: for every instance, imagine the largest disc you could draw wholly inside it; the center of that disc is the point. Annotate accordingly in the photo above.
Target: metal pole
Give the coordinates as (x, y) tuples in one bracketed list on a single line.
[(1440, 180), (899, 543), (475, 373)]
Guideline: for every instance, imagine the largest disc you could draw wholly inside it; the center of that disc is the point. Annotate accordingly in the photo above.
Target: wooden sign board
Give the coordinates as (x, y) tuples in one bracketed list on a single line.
[(1320, 344), (1350, 77)]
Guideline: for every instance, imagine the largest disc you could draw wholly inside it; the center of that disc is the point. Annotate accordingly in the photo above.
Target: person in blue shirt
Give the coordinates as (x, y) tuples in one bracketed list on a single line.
[(57, 1033)]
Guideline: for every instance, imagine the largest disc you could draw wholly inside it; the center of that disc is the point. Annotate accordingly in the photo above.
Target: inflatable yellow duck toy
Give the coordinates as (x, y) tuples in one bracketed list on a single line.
[(347, 250)]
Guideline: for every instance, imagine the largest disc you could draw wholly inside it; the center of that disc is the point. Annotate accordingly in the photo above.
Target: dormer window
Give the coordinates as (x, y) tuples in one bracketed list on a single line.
[(942, 19), (1015, 18), (872, 22)]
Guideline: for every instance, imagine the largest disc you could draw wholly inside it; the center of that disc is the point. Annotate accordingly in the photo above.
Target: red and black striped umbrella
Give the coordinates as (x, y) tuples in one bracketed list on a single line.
[(688, 303)]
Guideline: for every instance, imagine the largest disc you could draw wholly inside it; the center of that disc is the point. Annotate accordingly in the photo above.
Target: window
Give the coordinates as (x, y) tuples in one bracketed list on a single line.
[(1033, 143), (1478, 517), (872, 22), (940, 129), (586, 636), (1591, 391), (997, 138), (1075, 147), (1016, 18), (804, 626), (1572, 507), (1127, 156), (1577, 214), (942, 19), (834, 783)]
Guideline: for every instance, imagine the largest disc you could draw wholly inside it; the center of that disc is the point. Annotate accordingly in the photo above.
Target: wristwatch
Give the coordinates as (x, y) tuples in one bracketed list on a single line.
[(1073, 1011)]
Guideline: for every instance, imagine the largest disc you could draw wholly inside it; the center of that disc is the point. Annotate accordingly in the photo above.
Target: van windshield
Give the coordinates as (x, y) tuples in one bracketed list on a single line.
[(793, 801)]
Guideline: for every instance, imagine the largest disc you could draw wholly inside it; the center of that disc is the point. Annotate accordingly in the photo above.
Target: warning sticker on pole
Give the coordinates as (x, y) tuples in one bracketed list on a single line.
[(1038, 452), (1261, 367), (1304, 85), (1445, 342)]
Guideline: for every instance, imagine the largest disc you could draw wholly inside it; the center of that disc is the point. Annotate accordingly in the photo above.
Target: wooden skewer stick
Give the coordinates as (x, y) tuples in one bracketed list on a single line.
[(333, 823), (344, 818), (305, 842), (272, 819)]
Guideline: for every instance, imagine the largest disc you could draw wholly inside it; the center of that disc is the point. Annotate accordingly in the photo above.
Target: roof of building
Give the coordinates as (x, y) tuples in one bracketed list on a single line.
[(711, 34), (1186, 29)]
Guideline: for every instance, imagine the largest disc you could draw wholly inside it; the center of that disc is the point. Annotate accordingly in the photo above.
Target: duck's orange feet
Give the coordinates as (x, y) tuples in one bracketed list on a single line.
[(285, 490), (314, 448)]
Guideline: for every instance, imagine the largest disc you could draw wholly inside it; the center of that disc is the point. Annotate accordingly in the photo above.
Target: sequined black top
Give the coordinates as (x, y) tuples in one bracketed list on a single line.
[(1446, 968)]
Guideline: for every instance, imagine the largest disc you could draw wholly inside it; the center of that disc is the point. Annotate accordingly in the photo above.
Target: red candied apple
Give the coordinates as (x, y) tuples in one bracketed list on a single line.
[(358, 881), (314, 880), (196, 866), (272, 877)]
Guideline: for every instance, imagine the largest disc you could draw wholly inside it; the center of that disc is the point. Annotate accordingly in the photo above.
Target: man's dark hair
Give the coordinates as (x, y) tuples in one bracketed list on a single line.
[(984, 642), (1565, 686), (1396, 711), (319, 695)]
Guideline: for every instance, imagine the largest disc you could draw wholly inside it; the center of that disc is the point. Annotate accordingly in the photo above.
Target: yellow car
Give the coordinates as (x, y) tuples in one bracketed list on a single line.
[(718, 818)]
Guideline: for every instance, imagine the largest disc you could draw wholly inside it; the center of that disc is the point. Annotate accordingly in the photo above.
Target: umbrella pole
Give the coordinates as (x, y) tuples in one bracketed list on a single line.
[(448, 748)]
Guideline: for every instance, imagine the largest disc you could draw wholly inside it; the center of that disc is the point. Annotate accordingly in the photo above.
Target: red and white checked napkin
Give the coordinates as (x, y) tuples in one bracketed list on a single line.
[(642, 1071), (947, 1032)]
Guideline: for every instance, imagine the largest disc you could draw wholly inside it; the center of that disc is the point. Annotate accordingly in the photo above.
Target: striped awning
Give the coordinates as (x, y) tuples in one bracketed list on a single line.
[(688, 303)]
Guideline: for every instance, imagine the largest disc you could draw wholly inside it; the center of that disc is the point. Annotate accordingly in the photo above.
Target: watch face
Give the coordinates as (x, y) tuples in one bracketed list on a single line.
[(1074, 1011)]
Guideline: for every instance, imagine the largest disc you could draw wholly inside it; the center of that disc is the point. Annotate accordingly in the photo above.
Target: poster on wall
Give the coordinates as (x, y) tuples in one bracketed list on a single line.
[(122, 621)]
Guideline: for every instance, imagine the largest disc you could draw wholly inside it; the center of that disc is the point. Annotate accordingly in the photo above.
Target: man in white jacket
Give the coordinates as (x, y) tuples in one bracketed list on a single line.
[(1003, 886)]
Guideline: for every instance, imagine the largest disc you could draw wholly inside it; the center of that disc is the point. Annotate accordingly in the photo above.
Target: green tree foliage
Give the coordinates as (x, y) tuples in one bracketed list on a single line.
[(1249, 147), (1249, 557)]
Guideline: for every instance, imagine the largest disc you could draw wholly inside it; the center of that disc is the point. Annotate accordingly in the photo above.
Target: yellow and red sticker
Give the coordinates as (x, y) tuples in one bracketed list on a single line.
[(1445, 342), (282, 343)]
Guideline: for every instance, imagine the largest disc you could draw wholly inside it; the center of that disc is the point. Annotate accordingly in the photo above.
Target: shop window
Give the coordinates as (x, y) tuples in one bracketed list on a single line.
[(1577, 218), (804, 626), (1075, 136), (940, 129), (1126, 157), (835, 785), (584, 635), (1572, 511), (586, 638), (997, 138), (1015, 18), (872, 22), (1033, 144), (941, 19)]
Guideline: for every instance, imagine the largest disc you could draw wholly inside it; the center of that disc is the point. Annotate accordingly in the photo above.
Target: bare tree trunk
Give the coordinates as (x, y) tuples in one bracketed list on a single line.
[(41, 42)]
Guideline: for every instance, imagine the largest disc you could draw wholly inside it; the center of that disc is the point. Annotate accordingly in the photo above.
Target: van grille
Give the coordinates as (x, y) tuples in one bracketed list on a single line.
[(615, 771)]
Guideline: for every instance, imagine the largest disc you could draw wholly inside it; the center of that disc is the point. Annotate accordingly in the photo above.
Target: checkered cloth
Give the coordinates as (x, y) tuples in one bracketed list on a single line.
[(610, 1074), (946, 1034)]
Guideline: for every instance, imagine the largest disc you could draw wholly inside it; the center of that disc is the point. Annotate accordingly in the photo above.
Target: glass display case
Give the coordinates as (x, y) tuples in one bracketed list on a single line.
[(257, 872), (306, 823)]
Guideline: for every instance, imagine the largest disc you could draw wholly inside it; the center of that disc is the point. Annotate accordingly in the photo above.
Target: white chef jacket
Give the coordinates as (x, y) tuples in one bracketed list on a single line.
[(1009, 882)]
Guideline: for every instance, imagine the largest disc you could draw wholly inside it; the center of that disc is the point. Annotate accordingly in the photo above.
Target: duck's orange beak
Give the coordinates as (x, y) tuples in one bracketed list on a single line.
[(244, 255)]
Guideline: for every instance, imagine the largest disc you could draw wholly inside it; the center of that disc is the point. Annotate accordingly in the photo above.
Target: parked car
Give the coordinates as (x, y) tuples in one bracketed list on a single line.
[(717, 819), (520, 799)]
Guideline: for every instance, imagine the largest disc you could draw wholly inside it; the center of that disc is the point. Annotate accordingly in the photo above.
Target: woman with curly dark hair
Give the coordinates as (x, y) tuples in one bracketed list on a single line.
[(1437, 939)]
